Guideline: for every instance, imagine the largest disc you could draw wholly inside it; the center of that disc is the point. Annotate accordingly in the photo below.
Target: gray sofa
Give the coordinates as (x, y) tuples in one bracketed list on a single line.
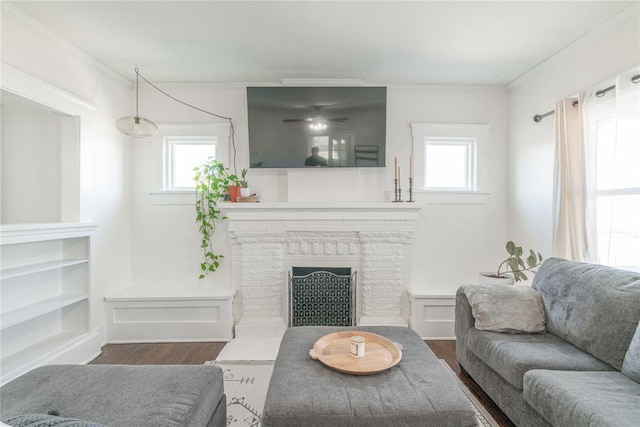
[(583, 371), (116, 395)]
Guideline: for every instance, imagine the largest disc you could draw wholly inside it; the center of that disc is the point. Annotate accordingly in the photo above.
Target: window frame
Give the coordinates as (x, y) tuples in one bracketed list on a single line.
[(476, 191), (159, 193)]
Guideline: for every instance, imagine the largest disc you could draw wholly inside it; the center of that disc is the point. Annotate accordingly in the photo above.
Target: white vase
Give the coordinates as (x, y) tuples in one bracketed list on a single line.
[(245, 192), (487, 278)]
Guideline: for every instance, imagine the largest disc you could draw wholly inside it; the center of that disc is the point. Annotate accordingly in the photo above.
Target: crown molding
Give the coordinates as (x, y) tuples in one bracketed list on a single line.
[(12, 12), (630, 12), (323, 82)]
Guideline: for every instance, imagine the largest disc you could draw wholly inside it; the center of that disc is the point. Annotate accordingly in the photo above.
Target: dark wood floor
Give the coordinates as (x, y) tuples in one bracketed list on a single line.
[(447, 350), (183, 353), (198, 353)]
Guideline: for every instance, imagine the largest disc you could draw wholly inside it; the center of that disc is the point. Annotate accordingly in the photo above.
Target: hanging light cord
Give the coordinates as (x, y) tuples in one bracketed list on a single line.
[(137, 86), (232, 135)]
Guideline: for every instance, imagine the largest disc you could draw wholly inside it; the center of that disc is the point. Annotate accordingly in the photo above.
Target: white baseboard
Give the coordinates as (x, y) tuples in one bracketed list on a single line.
[(78, 351)]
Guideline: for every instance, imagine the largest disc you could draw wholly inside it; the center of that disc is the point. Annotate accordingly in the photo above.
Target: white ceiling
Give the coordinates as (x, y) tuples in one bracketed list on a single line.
[(422, 42)]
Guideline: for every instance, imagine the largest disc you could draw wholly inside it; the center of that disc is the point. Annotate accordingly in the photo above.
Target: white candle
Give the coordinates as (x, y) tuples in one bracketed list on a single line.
[(411, 167), (395, 168), (357, 346)]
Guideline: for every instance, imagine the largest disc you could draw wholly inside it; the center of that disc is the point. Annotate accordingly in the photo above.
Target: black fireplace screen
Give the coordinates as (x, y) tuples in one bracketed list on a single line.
[(322, 296)]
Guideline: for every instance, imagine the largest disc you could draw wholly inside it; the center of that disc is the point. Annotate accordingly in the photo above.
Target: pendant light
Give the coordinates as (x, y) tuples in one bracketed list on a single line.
[(136, 126)]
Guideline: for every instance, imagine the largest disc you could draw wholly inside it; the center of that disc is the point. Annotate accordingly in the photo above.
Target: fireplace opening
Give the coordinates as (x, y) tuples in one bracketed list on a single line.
[(322, 296)]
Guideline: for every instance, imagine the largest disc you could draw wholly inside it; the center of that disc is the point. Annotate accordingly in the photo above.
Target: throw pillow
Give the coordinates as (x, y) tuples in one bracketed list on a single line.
[(506, 308), (631, 363), (39, 420)]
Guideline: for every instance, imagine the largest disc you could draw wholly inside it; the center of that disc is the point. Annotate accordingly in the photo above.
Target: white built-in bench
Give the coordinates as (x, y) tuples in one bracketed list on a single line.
[(432, 315), (166, 315)]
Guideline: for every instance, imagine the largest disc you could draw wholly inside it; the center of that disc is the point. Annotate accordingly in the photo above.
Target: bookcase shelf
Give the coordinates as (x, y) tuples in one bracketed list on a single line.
[(28, 312), (32, 356), (24, 270), (45, 294)]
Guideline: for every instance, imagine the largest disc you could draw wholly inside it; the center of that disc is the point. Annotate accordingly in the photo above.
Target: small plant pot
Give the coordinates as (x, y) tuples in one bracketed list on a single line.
[(489, 278), (245, 192), (234, 192)]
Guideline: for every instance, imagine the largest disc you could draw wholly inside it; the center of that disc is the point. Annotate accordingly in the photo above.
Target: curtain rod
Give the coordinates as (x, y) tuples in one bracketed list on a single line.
[(602, 92)]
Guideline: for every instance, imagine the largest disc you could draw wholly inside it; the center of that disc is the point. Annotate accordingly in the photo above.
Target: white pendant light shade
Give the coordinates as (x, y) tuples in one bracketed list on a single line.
[(136, 127)]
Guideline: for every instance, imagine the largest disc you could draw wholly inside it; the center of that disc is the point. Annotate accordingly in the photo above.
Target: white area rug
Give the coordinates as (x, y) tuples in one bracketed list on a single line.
[(246, 384)]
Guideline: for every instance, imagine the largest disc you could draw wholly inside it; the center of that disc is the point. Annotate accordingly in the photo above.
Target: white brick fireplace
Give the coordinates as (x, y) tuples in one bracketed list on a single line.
[(268, 239)]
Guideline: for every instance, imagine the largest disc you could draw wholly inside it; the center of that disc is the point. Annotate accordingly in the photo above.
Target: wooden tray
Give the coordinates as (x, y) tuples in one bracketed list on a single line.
[(250, 199), (334, 350)]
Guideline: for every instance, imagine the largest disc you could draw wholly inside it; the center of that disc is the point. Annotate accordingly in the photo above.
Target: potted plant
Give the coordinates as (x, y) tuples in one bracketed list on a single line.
[(245, 191), (236, 184), (212, 184), (514, 266)]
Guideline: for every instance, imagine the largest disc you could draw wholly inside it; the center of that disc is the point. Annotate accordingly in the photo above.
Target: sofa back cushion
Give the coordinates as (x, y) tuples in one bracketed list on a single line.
[(631, 363), (594, 307)]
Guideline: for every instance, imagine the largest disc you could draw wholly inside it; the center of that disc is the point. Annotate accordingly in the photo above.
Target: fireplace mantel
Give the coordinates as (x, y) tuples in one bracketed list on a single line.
[(321, 211), (268, 239)]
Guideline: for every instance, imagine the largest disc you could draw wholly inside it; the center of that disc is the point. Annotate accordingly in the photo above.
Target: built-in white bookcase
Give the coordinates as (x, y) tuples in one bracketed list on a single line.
[(45, 290)]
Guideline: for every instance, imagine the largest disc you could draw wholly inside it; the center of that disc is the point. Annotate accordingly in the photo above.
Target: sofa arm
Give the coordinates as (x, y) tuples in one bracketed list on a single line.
[(464, 321)]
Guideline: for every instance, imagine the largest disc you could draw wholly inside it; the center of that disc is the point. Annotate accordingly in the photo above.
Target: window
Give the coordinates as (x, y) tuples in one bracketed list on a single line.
[(449, 162), (322, 144), (334, 148), (182, 155), (618, 191), (175, 150)]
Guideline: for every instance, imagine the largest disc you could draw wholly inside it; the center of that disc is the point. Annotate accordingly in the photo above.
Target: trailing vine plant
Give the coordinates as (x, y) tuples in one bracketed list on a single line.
[(212, 181)]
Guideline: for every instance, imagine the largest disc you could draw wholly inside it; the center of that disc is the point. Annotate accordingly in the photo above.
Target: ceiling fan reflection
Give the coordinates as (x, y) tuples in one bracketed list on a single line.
[(317, 122)]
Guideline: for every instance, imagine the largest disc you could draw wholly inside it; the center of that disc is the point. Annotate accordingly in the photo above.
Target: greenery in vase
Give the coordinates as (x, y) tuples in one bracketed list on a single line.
[(515, 263), (242, 181)]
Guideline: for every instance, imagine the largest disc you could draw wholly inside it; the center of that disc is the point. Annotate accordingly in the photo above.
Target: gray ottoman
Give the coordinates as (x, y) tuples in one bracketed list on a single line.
[(121, 395), (416, 392)]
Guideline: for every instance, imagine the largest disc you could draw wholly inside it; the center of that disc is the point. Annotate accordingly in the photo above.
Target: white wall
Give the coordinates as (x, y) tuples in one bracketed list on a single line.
[(104, 195), (591, 61), (454, 241), (165, 239), (30, 151)]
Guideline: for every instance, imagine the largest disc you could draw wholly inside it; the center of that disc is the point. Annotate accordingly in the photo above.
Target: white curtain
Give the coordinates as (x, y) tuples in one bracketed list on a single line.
[(612, 159), (572, 222)]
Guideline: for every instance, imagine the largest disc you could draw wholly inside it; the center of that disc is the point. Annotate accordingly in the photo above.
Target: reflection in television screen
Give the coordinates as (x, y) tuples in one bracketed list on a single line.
[(317, 127)]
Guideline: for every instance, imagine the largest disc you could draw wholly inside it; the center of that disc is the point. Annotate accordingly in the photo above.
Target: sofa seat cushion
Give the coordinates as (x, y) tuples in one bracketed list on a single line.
[(577, 399), (512, 355), (118, 395)]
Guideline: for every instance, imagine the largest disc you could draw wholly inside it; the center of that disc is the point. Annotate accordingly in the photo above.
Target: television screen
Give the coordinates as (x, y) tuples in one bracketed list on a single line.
[(305, 127)]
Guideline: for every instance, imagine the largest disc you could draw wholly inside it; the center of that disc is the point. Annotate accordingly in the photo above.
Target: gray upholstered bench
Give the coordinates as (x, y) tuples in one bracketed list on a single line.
[(416, 392), (120, 395)]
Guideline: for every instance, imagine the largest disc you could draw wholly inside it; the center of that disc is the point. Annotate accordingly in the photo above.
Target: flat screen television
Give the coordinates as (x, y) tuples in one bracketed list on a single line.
[(305, 127)]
